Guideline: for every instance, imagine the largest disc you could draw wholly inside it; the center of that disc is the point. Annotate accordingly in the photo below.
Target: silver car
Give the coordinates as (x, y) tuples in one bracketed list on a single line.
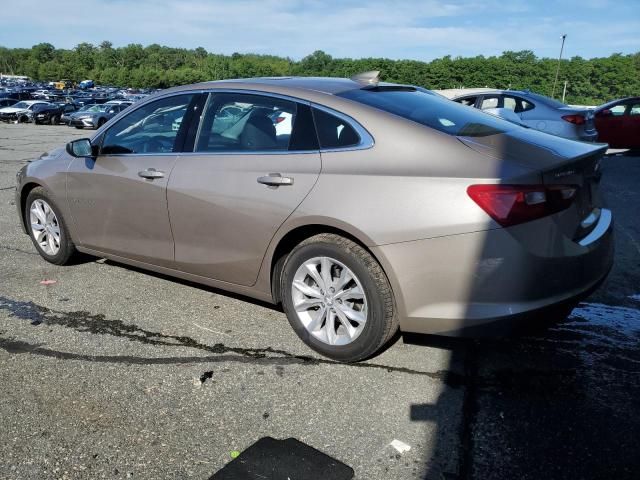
[(531, 109), (381, 207)]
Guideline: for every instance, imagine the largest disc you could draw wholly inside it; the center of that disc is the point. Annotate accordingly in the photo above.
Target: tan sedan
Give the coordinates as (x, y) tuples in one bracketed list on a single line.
[(374, 207)]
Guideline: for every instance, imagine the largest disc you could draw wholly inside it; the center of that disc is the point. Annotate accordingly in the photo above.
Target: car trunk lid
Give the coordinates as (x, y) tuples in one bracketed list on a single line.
[(560, 162)]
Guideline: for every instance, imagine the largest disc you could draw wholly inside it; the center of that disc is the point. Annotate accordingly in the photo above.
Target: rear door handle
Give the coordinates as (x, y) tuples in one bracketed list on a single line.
[(151, 173), (275, 180)]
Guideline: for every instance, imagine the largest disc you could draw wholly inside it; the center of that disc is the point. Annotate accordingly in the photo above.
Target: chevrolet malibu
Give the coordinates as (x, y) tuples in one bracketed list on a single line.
[(380, 207)]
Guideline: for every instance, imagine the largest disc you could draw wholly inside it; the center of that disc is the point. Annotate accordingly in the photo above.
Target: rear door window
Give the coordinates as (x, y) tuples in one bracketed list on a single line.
[(334, 132), (492, 101), (238, 122)]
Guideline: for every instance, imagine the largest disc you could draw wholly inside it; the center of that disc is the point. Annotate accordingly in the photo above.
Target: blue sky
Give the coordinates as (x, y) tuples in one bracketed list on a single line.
[(415, 29)]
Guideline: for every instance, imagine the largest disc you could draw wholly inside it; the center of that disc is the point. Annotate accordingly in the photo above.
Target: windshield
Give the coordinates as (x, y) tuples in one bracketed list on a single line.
[(431, 110), (96, 108), (20, 105)]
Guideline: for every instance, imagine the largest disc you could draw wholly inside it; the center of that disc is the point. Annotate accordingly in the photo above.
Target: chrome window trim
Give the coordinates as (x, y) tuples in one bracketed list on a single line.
[(366, 139)]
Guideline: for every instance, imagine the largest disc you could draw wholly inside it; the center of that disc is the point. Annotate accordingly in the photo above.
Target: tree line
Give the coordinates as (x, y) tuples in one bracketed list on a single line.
[(589, 81)]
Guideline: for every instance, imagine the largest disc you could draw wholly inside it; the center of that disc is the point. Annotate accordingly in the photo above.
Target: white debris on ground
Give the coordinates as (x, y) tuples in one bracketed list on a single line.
[(400, 447)]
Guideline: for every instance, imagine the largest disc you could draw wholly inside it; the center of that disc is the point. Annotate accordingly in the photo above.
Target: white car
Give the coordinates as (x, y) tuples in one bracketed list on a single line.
[(282, 122), (531, 109), (19, 112)]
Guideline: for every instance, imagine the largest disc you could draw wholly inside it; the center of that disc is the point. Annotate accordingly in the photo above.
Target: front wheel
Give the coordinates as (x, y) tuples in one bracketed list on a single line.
[(337, 298), (47, 229)]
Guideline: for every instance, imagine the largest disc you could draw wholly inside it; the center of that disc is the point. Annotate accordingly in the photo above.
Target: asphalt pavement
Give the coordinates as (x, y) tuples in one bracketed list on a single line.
[(107, 371)]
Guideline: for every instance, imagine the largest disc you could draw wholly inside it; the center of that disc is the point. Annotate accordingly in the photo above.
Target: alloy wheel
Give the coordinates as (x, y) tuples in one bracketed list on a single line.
[(45, 227), (329, 300)]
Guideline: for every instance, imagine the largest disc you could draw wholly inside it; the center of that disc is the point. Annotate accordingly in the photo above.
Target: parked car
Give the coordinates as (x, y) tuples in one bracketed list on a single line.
[(96, 115), (52, 113), (618, 123), (66, 117), (7, 102), (534, 110), (384, 206), (20, 112)]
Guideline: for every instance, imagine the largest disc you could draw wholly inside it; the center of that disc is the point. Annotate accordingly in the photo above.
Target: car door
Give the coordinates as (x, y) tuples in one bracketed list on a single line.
[(228, 198), (118, 199), (610, 124), (630, 134)]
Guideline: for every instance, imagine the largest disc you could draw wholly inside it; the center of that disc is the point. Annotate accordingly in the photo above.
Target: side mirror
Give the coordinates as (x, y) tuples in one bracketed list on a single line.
[(605, 113), (80, 148)]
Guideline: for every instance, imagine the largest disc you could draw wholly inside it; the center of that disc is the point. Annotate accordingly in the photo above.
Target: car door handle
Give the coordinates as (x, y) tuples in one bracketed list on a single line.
[(275, 180), (151, 173)]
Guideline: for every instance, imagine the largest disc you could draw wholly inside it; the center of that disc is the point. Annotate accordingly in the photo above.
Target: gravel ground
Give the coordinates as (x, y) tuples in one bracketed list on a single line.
[(112, 372)]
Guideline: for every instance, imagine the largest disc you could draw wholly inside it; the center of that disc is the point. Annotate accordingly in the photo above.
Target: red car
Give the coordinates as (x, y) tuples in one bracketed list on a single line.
[(618, 123)]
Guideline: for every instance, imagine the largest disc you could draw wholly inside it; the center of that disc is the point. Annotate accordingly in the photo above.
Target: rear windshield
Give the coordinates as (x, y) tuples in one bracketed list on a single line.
[(431, 110), (546, 100)]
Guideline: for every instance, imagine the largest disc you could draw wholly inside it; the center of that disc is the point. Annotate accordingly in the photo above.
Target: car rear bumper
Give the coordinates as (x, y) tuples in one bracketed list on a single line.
[(458, 284)]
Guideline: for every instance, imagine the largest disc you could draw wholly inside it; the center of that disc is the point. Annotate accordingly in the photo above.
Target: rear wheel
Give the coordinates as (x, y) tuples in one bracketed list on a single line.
[(47, 229), (337, 298)]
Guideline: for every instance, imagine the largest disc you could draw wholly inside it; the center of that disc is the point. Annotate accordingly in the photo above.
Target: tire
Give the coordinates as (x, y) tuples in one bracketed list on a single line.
[(79, 127), (54, 120), (66, 248), (101, 122), (341, 343)]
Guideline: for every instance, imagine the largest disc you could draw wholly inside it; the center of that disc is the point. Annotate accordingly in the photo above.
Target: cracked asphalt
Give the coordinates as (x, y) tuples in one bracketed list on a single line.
[(113, 372)]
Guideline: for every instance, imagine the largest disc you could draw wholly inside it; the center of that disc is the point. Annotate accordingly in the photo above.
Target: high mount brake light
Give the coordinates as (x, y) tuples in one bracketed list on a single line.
[(575, 119), (513, 204)]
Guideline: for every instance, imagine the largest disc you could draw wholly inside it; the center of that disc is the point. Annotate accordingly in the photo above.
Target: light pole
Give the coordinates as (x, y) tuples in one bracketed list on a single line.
[(553, 92)]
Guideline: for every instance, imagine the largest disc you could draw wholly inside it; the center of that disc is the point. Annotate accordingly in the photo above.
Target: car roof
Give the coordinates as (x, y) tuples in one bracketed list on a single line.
[(618, 100), (326, 85), (460, 92)]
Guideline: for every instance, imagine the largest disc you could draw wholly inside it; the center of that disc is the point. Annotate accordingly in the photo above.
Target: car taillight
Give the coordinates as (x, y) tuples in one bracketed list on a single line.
[(575, 119), (280, 119), (513, 204)]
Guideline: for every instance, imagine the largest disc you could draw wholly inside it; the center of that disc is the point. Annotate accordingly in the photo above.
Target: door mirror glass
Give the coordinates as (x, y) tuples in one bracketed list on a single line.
[(80, 148)]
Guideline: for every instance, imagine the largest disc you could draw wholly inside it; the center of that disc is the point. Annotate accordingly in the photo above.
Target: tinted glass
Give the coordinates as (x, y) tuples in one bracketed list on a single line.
[(470, 101), (546, 100), (635, 109), (235, 122), (432, 111), (149, 129), (334, 132)]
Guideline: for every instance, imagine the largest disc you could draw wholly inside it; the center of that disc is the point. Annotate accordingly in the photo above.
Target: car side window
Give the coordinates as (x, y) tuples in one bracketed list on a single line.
[(511, 103), (634, 109), (525, 105), (469, 101), (148, 129), (333, 131), (618, 110), (490, 102), (239, 122)]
